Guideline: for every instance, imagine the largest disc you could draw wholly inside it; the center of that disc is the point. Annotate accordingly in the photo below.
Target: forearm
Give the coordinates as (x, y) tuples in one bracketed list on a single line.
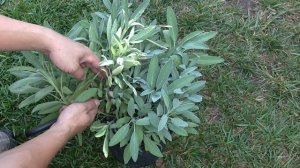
[(38, 152), (17, 36)]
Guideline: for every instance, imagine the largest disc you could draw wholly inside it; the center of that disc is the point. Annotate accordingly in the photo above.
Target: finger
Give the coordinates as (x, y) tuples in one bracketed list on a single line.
[(79, 73), (92, 114), (62, 108), (91, 60), (91, 105)]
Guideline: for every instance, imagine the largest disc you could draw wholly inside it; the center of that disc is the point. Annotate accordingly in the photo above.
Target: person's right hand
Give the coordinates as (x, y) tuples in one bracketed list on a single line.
[(77, 117)]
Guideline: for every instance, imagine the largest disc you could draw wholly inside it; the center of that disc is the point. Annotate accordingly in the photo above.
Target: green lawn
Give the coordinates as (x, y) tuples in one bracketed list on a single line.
[(251, 110)]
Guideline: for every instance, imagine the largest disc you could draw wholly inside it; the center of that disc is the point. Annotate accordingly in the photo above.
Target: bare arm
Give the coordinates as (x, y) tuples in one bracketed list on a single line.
[(38, 152), (65, 53)]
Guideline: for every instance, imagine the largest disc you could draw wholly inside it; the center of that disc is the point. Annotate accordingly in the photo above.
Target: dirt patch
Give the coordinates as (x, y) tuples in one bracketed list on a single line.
[(213, 115), (248, 6)]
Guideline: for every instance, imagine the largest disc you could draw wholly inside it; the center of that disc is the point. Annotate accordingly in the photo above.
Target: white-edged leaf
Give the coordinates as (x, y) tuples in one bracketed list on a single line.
[(195, 98), (106, 62), (105, 145), (156, 96), (118, 70), (101, 132)]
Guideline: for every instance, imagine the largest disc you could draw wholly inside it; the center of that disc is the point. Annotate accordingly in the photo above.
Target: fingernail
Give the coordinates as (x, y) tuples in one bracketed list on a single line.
[(97, 102)]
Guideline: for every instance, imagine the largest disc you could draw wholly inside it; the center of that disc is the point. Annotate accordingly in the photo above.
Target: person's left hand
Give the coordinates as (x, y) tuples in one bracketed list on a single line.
[(72, 57)]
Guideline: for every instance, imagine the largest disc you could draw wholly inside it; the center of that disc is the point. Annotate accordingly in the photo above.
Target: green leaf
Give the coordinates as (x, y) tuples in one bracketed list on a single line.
[(203, 37), (184, 107), (45, 106), (101, 132), (66, 90), (191, 124), (159, 110), (172, 21), (86, 95), (43, 92), (96, 125), (167, 134), (105, 145), (152, 147), (118, 82), (143, 121), (120, 135), (140, 10), (181, 82), (129, 85), (107, 4), (29, 100), (109, 30), (120, 122), (32, 58), (106, 62), (140, 133), (23, 83), (190, 115), (190, 37), (53, 109), (134, 146), (195, 87), (179, 122), (49, 118), (166, 98), (167, 36), (164, 74), (126, 154), (156, 96), (209, 60), (178, 130), (144, 34), (163, 122), (153, 72), (195, 98), (195, 45), (118, 70), (192, 131), (130, 108), (154, 120), (79, 138)]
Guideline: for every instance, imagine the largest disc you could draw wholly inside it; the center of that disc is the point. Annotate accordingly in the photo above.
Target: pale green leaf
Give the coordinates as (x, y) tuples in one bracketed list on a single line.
[(45, 106), (134, 146), (126, 154), (190, 37), (195, 87), (153, 71), (178, 130), (120, 122), (163, 122), (179, 122), (105, 145), (159, 110), (49, 117), (53, 109), (152, 147), (118, 70), (120, 135), (66, 90), (172, 21), (43, 92), (86, 95), (192, 131), (140, 10), (209, 60), (184, 107), (166, 98), (130, 107), (143, 121), (144, 34), (156, 96), (191, 116), (29, 100), (107, 4), (101, 132), (164, 74), (181, 82), (154, 120), (195, 98)]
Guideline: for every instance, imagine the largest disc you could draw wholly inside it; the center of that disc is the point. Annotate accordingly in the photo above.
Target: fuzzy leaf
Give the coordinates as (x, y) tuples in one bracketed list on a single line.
[(29, 100), (120, 135), (172, 21), (118, 70), (166, 98), (154, 120), (179, 122), (178, 130), (160, 110), (156, 96), (163, 122), (140, 10), (106, 62), (144, 34), (130, 107), (153, 72), (107, 4), (179, 83), (49, 117), (23, 83), (190, 115), (152, 147), (53, 109), (195, 98), (101, 132), (126, 154), (143, 121), (134, 146), (120, 122), (43, 92), (105, 145), (190, 37), (86, 95), (45, 106), (164, 74), (209, 60), (195, 87), (184, 107)]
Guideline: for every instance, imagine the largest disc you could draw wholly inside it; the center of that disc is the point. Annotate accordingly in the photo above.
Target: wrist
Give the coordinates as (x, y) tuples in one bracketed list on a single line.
[(47, 40), (62, 130)]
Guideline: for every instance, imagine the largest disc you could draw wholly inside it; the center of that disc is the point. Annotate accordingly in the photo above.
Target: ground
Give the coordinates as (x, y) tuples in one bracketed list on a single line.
[(251, 112)]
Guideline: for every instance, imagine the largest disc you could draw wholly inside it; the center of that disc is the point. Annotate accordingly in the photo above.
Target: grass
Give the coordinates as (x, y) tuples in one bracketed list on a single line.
[(251, 112)]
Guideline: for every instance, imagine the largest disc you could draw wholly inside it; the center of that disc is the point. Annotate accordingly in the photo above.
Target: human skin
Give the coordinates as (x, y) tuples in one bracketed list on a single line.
[(67, 55)]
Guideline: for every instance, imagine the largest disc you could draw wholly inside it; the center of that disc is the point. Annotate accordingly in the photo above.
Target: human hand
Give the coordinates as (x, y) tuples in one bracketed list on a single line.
[(77, 117), (72, 57)]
